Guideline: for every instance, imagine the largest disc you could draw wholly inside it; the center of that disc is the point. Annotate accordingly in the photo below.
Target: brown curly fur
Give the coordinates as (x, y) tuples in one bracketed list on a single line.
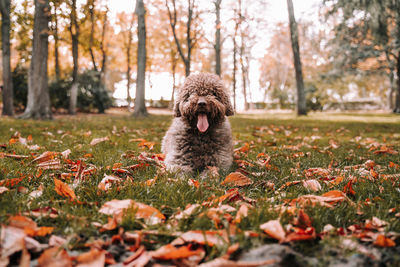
[(185, 147)]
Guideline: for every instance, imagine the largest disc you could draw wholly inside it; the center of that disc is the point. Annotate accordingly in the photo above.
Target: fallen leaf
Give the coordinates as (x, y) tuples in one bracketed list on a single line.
[(64, 190), (274, 229), (11, 240), (3, 189), (107, 181), (96, 141), (46, 156), (383, 241), (194, 183), (209, 238), (93, 258), (142, 211), (171, 252), (298, 234), (312, 185), (237, 179), (55, 257), (222, 262)]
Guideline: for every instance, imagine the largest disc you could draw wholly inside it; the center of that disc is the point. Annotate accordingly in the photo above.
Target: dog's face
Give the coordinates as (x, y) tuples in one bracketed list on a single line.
[(203, 101)]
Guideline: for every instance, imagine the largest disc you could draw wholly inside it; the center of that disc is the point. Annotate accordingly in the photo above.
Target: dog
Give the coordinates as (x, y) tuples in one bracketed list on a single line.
[(200, 135)]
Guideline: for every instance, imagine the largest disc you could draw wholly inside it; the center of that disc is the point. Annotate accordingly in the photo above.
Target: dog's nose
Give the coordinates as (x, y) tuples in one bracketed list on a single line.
[(201, 102)]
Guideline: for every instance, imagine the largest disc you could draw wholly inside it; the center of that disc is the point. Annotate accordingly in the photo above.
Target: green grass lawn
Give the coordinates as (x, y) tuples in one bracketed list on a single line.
[(272, 150)]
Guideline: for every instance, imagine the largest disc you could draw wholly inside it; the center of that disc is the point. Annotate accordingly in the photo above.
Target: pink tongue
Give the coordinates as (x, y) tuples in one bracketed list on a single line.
[(202, 123)]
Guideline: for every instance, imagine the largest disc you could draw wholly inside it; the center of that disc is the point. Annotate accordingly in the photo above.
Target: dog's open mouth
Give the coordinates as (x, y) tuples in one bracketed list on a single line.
[(202, 122)]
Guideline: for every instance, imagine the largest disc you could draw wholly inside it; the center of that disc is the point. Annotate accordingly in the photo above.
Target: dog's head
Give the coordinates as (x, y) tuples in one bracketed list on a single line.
[(203, 101)]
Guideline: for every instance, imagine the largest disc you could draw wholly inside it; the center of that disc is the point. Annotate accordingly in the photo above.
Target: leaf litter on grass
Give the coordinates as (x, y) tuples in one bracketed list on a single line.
[(281, 183)]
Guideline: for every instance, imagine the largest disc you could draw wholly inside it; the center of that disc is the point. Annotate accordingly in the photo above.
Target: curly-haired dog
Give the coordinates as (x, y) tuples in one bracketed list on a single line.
[(200, 134)]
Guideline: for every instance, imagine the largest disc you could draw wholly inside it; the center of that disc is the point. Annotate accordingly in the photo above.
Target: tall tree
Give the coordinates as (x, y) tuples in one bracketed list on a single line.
[(128, 61), (191, 34), (74, 31), (8, 99), (54, 28), (217, 45), (369, 30), (294, 37), (38, 106), (140, 105)]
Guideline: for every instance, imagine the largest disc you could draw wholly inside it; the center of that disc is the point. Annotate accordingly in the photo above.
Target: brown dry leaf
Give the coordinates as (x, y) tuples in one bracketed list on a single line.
[(55, 257), (288, 184), (5, 155), (143, 211), (147, 144), (302, 220), (170, 252), (11, 240), (25, 259), (107, 181), (22, 222), (242, 212), (189, 209), (274, 229), (312, 185), (209, 238), (244, 149), (222, 262), (96, 141), (384, 149), (37, 193), (237, 179), (93, 258), (53, 164), (64, 190), (328, 199), (194, 183), (3, 189), (115, 206), (383, 241), (298, 234), (46, 156)]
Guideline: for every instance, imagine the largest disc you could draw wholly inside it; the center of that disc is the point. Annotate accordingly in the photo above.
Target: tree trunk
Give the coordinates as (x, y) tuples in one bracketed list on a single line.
[(217, 45), (140, 105), (74, 31), (128, 63), (38, 106), (91, 39), (392, 89), (243, 69), (56, 45), (234, 66), (173, 69), (294, 36), (103, 47), (8, 98), (397, 102)]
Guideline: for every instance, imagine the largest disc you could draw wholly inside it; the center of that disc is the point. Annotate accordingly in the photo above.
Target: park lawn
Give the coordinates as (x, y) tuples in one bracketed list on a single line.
[(352, 157)]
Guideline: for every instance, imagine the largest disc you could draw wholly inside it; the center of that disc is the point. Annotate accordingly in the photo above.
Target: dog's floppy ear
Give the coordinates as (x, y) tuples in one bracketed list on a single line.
[(177, 112), (228, 108)]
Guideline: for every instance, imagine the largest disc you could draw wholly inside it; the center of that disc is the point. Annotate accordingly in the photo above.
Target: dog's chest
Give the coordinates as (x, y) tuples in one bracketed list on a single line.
[(199, 150)]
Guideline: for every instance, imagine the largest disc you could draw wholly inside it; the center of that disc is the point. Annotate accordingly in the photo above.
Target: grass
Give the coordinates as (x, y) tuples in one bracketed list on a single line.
[(339, 140)]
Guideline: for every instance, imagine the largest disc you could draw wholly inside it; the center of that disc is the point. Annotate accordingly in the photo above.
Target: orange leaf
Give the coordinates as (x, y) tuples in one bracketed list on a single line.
[(383, 241), (194, 183), (13, 141), (245, 148), (274, 229), (312, 185), (237, 179), (348, 188), (22, 222), (147, 144), (41, 231), (94, 257), (170, 252), (394, 165), (300, 234), (64, 190), (46, 156), (210, 238), (55, 257)]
